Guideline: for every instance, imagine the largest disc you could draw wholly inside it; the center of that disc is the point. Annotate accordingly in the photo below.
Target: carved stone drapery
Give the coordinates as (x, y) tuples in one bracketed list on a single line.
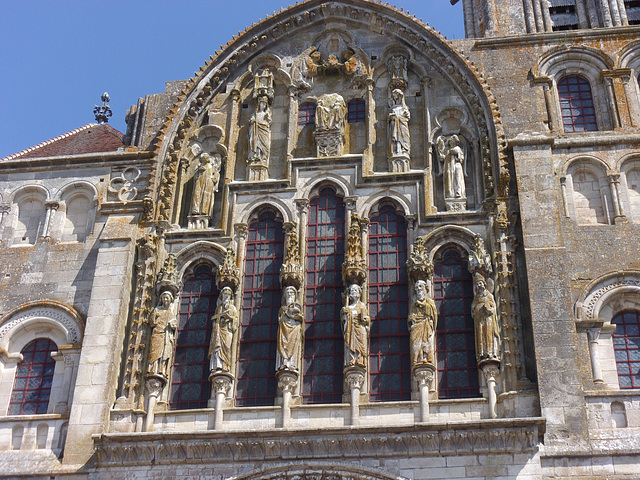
[(398, 133), (331, 117), (422, 322), (260, 139), (355, 327), (291, 270), (289, 339), (163, 335), (453, 167), (224, 328), (479, 259), (487, 325), (354, 268)]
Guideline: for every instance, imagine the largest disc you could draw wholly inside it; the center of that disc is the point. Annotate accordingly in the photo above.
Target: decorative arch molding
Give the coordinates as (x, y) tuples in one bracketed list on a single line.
[(629, 56), (564, 59), (317, 472), (603, 292), (313, 186), (25, 190), (589, 161), (211, 252), (374, 201), (66, 320), (447, 235), (191, 106), (253, 208), (80, 186), (627, 162)]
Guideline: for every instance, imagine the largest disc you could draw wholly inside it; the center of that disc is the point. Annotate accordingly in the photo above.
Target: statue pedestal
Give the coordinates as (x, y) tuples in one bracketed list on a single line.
[(154, 386), (455, 204), (258, 172), (329, 142), (424, 375), (399, 163), (491, 370), (287, 382), (198, 222), (354, 377), (220, 385)]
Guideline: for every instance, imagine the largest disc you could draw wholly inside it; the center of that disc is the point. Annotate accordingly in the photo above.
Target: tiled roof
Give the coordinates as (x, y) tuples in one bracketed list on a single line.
[(91, 138)]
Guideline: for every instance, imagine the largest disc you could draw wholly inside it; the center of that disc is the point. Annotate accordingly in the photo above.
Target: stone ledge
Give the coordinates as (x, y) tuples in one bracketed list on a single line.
[(514, 435)]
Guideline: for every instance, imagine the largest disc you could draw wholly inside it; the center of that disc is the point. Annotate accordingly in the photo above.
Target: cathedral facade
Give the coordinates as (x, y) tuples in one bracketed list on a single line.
[(347, 248)]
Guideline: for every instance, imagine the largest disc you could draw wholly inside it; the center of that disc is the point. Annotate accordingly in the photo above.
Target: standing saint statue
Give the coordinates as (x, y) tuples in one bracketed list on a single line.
[(163, 335), (206, 183), (289, 340), (423, 318), (260, 133), (355, 326), (485, 317), (399, 116), (331, 112), (224, 326), (452, 157)]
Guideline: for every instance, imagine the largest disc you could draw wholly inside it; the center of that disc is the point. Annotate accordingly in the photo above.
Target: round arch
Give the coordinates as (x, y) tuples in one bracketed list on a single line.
[(447, 235), (317, 472), (608, 295)]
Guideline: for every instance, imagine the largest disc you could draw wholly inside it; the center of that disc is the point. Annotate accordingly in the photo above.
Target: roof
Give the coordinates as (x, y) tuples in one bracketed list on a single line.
[(91, 138)]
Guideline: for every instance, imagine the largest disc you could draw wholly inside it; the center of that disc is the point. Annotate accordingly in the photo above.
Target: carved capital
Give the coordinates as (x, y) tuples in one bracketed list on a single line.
[(52, 205), (491, 370), (302, 204), (221, 382), (350, 203), (241, 230), (155, 384), (5, 208), (424, 374), (354, 377), (168, 276), (287, 380), (593, 334)]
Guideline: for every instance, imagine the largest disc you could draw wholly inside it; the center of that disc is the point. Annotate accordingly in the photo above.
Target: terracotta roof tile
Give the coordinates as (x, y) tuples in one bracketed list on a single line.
[(91, 138)]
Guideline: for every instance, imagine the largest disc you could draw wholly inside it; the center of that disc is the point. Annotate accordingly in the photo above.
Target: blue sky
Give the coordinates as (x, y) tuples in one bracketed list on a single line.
[(59, 56)]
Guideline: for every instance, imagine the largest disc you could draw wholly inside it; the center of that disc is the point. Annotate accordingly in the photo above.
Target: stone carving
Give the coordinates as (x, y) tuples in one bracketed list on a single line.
[(311, 64), (125, 186), (485, 317), (397, 66), (291, 270), (263, 84), (205, 186), (354, 268), (260, 140), (453, 163), (355, 326), (419, 265), (423, 318), (289, 340), (72, 329), (163, 335), (225, 324), (331, 113), (399, 136), (229, 272), (168, 276), (594, 297), (479, 259)]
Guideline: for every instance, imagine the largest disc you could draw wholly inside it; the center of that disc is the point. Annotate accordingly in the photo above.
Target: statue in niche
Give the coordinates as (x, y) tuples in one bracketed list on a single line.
[(163, 335), (207, 177), (263, 84), (260, 133), (397, 66), (355, 326), (289, 340), (423, 318), (331, 112), (485, 317), (399, 116), (453, 161), (225, 322)]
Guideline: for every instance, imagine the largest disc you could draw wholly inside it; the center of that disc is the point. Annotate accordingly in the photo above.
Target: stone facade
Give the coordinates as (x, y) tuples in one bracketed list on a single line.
[(410, 179)]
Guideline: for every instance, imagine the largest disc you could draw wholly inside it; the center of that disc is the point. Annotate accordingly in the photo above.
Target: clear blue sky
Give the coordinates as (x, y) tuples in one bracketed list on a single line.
[(58, 56)]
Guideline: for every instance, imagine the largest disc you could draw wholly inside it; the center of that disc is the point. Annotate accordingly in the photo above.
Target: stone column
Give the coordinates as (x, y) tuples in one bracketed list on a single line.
[(70, 359), (546, 83), (424, 375), (287, 382), (618, 211), (529, 18), (302, 206), (354, 376), (52, 207), (565, 203), (546, 16), (220, 384), (292, 130), (350, 206), (491, 370), (537, 14), (469, 19), (232, 149), (624, 20), (5, 208), (615, 13), (583, 19), (611, 100), (367, 166), (592, 12), (411, 220), (606, 13), (154, 386), (592, 335)]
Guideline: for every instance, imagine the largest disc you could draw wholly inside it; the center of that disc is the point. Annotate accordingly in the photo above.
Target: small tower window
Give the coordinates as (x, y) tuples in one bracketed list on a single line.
[(356, 111), (626, 344), (307, 114), (576, 103), (633, 11), (563, 15)]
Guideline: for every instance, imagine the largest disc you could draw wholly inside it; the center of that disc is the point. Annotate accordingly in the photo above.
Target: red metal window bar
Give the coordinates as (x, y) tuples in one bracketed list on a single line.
[(626, 344), (34, 376)]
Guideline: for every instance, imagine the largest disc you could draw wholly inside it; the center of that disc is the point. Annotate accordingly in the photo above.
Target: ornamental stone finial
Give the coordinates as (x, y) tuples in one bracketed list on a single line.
[(103, 112)]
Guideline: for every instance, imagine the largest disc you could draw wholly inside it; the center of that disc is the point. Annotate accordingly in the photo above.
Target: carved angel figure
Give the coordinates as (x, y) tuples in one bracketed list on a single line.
[(355, 326), (206, 182), (289, 340), (225, 323), (163, 335), (331, 112), (423, 318), (485, 317), (260, 133), (399, 116), (452, 157)]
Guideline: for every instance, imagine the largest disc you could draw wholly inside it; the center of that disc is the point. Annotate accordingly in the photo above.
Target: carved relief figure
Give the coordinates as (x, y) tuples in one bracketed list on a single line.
[(206, 182), (397, 66), (225, 323), (452, 157), (485, 317), (355, 326), (331, 112), (479, 260), (423, 318), (163, 335), (289, 341), (260, 133), (399, 116)]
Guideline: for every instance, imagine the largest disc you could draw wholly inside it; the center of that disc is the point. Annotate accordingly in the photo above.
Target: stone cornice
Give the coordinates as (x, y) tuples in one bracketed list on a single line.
[(86, 159), (514, 435)]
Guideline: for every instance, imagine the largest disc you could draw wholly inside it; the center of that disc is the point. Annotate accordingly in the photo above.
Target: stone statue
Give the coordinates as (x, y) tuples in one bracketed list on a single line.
[(331, 112), (206, 182), (355, 326), (485, 317), (423, 318), (260, 133), (163, 335), (397, 66), (399, 116), (479, 259), (225, 323), (289, 341), (452, 157)]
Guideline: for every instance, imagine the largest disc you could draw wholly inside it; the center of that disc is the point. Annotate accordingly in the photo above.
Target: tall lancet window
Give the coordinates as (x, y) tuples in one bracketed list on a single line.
[(389, 364), (34, 377), (190, 386), (453, 294), (323, 341), (260, 305)]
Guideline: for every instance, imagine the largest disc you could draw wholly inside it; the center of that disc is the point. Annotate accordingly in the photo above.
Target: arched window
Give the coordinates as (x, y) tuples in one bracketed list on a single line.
[(34, 376), (356, 111), (587, 197), (76, 219), (260, 306), (307, 114), (626, 343), (390, 370), (453, 294), (323, 343), (576, 104), (633, 189), (31, 214), (190, 378)]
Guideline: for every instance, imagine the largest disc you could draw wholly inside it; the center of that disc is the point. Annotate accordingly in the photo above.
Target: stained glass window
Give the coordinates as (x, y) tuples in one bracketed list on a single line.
[(307, 114), (34, 376), (356, 111), (626, 344), (576, 104)]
